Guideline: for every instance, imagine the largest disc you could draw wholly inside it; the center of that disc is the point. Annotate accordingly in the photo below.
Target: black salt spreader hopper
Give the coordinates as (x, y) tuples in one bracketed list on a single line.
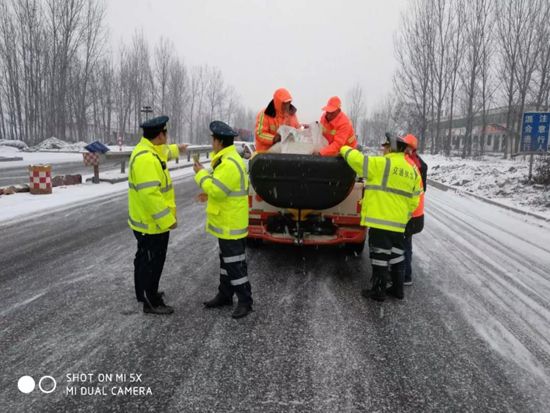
[(305, 200)]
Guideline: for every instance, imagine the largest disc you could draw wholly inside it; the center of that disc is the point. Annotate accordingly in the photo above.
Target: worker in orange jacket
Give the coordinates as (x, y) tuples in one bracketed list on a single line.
[(416, 223), (337, 128), (279, 111)]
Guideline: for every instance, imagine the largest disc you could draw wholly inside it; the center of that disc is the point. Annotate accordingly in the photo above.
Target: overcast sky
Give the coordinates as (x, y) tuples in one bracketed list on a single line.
[(316, 48)]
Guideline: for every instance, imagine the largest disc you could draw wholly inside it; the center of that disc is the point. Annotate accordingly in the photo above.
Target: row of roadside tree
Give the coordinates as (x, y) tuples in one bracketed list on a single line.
[(61, 78), (462, 58)]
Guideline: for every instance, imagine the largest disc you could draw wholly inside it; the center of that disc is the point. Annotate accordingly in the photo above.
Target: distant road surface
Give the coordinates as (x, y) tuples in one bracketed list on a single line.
[(473, 333)]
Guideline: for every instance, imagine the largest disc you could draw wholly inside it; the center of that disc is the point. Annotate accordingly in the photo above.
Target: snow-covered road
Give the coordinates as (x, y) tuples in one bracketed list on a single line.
[(495, 266), (471, 335)]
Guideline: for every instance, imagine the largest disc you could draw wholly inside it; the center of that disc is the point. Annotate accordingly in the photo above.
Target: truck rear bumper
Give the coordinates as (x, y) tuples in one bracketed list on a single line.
[(343, 235)]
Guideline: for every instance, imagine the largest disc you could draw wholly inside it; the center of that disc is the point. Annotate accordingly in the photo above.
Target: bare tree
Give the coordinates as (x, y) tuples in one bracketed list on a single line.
[(441, 58), (355, 105), (92, 40), (178, 98), (104, 99), (11, 70), (509, 17), (381, 120), (197, 89), (412, 81), (455, 55), (476, 33), (528, 58), (215, 93), (63, 21), (59, 79), (162, 66), (542, 75)]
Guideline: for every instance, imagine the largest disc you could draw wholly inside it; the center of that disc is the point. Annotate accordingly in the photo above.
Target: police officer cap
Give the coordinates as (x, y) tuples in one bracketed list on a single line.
[(222, 130), (393, 140), (156, 123)]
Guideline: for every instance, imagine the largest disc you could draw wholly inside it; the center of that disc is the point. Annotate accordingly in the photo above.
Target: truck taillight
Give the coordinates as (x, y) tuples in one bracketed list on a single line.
[(258, 198), (249, 201), (358, 207)]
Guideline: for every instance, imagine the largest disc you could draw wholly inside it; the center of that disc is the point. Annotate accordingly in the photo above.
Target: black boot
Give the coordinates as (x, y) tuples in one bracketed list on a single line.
[(218, 301), (378, 290), (164, 310), (160, 294), (397, 279), (242, 310), (157, 307), (374, 293), (160, 302)]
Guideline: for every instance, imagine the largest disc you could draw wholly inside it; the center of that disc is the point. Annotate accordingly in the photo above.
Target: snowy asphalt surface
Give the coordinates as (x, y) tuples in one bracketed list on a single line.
[(471, 335)]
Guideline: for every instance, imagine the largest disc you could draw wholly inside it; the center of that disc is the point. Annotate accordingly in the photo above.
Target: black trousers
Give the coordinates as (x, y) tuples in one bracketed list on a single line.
[(386, 249), (233, 270), (414, 226), (148, 264)]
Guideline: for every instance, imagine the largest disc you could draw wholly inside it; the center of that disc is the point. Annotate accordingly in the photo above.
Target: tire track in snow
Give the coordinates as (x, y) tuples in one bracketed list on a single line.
[(511, 312)]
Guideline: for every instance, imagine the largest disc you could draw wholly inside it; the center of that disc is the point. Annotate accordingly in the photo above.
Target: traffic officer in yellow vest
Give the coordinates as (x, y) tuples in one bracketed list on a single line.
[(225, 190), (392, 189), (152, 210)]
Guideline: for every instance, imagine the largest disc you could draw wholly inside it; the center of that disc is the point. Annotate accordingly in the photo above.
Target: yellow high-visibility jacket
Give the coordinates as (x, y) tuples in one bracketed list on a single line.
[(392, 188), (227, 190), (151, 198)]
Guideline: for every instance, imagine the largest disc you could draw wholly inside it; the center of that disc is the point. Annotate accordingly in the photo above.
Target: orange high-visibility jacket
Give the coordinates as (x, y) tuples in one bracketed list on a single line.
[(270, 118), (338, 132), (419, 211)]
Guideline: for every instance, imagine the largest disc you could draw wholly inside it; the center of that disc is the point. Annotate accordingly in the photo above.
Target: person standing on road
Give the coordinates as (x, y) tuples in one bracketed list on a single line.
[(151, 210), (225, 190), (279, 111), (337, 128), (416, 223), (392, 189)]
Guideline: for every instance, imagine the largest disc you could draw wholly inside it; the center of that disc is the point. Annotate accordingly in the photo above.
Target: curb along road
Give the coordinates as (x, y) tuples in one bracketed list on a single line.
[(444, 187)]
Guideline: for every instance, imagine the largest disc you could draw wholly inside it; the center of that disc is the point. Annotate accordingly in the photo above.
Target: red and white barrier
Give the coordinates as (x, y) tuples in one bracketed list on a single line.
[(40, 179)]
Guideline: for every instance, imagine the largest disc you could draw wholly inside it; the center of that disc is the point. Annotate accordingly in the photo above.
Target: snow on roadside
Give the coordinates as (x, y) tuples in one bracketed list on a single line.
[(39, 157), (13, 143), (30, 158), (502, 180), (20, 206), (58, 144)]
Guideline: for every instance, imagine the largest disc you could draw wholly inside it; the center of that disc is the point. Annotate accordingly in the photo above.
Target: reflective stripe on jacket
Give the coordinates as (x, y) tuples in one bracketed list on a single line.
[(338, 132), (392, 188), (227, 190), (151, 198)]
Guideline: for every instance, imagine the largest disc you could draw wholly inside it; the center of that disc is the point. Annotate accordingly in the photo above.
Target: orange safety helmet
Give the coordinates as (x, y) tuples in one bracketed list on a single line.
[(282, 95), (411, 141), (333, 104)]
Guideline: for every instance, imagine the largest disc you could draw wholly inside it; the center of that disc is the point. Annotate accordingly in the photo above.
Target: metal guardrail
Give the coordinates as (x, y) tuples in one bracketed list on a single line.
[(124, 156), (530, 153)]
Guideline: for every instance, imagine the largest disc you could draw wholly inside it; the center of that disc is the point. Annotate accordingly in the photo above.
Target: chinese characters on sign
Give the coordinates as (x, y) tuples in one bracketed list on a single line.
[(534, 132)]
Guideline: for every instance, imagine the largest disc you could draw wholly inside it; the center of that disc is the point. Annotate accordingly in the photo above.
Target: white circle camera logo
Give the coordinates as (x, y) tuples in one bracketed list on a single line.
[(46, 384)]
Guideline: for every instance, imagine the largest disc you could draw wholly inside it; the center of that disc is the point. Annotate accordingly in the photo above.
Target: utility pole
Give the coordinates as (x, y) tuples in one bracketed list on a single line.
[(146, 110)]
